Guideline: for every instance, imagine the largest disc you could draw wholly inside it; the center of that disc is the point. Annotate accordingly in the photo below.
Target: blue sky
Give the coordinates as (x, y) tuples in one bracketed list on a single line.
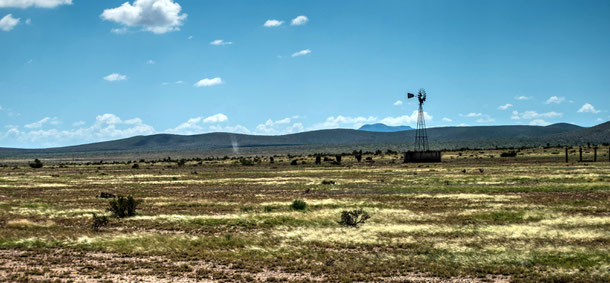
[(77, 71)]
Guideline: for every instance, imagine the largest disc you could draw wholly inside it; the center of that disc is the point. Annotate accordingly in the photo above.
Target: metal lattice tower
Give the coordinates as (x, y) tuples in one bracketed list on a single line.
[(421, 136)]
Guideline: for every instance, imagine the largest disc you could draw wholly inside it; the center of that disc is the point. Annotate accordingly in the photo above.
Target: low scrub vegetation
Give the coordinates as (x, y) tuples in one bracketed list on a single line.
[(121, 207), (36, 164), (298, 204), (354, 217)]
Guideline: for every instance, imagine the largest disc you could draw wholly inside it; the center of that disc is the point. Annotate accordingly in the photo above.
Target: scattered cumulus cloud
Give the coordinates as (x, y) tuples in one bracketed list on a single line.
[(588, 108), (8, 22), (78, 123), (106, 127), (505, 106), (119, 30), (169, 83), (404, 119), (156, 16), (217, 118), (485, 119), (196, 125), (115, 77), (301, 53), (208, 82), (539, 122), (523, 97), (529, 115), (28, 21), (554, 99), (219, 42), (280, 127), (300, 20), (150, 62), (445, 119), (33, 3), (42, 122), (472, 114), (273, 23), (398, 103), (190, 37), (333, 122)]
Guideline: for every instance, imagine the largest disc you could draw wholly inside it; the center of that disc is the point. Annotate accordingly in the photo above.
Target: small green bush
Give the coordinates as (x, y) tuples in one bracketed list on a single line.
[(123, 206), (36, 164), (298, 204), (98, 222), (328, 182), (354, 217), (246, 162)]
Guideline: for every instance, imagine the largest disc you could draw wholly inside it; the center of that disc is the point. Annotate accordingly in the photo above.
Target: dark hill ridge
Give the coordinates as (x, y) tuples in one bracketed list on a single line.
[(443, 137)]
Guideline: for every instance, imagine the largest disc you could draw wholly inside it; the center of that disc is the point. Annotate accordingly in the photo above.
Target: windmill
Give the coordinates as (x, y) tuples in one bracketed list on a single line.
[(421, 136), (421, 152)]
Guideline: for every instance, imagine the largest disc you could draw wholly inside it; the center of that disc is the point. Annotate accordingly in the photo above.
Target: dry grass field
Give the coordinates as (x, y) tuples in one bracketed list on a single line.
[(474, 217)]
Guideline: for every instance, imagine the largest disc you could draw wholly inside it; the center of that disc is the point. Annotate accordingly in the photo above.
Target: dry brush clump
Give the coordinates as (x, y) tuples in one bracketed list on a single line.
[(354, 217), (122, 207)]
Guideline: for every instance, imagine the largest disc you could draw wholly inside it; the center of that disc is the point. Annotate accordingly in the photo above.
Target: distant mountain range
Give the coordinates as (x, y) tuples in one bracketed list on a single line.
[(333, 140), (383, 128)]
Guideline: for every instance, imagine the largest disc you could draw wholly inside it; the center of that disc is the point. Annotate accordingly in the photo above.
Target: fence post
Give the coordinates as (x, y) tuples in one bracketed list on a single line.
[(580, 154), (566, 154), (595, 154)]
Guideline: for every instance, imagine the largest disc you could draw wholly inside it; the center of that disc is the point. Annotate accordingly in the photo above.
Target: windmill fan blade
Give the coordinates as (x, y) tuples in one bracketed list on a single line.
[(410, 95)]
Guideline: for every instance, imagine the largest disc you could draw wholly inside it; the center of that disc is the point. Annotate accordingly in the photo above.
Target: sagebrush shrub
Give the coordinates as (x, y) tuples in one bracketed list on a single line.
[(36, 164), (123, 206), (353, 218), (298, 204)]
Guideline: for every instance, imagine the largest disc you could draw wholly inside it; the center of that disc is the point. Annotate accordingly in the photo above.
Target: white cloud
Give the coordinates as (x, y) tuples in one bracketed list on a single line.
[(523, 97), (36, 3), (150, 62), (217, 118), (273, 23), (505, 106), (157, 16), (398, 103), (208, 82), (195, 125), (169, 83), (28, 21), (190, 37), (7, 23), (342, 121), (192, 126), (528, 115), (119, 30), (78, 123), (588, 108), (300, 20), (280, 127), (554, 99), (220, 42), (106, 127), (445, 119), (115, 77), (42, 122), (301, 53), (472, 114), (404, 120), (485, 119), (539, 122)]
